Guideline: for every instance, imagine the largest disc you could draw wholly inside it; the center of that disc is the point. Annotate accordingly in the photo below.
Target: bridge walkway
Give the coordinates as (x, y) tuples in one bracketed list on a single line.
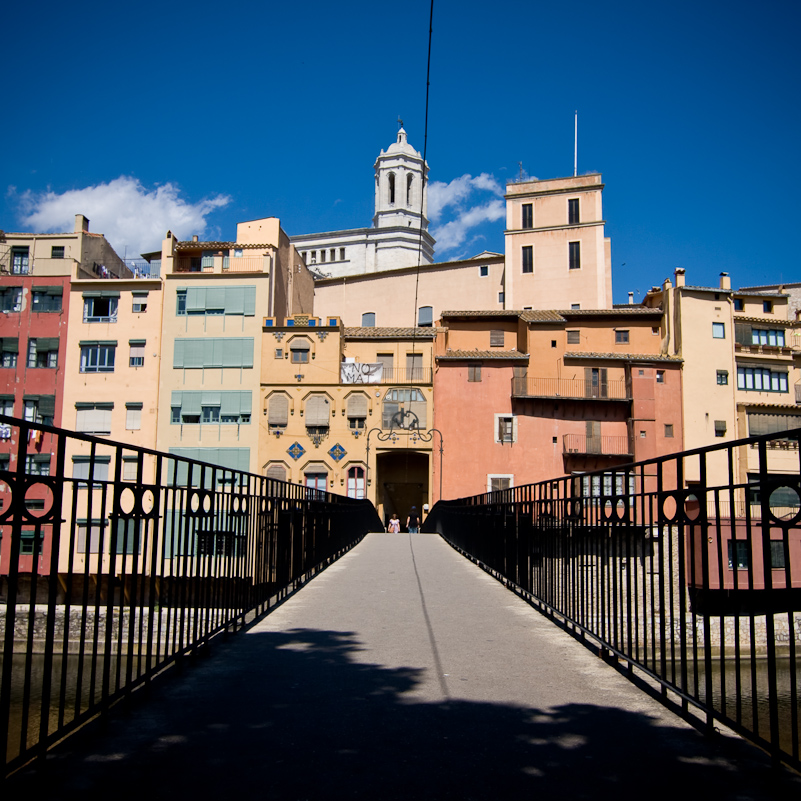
[(403, 671)]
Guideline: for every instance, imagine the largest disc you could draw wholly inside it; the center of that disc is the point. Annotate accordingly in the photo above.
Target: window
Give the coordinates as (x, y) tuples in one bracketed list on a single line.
[(483, 271), (596, 384), (391, 196), (317, 414), (368, 320), (553, 343), (528, 258), (57, 252), (356, 482), (333, 256), (409, 181), (723, 377), (130, 468), (501, 297), (10, 298), (213, 352), (47, 298), (575, 255), (720, 428), (228, 300), (277, 412), (505, 428), (528, 216), (414, 366), (660, 376), (299, 348), (357, 411), (93, 418), (767, 306), (761, 423), (425, 316), (342, 254), (276, 472), (30, 543), (190, 407), (573, 211), (7, 405), (387, 362), (718, 330), (279, 353), (225, 459), (322, 257), (39, 408), (8, 351), (38, 465), (99, 307), (139, 302), (773, 337), (575, 306), (133, 416), (740, 548), (19, 261), (621, 337), (137, 354), (761, 379), (777, 555), (43, 352), (317, 483), (94, 528), (86, 471), (496, 338), (669, 430), (739, 305), (574, 337), (496, 483), (403, 407), (474, 372), (98, 357)]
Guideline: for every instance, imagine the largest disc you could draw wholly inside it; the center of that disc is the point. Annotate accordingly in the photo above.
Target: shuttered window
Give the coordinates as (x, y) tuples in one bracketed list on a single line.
[(93, 418), (276, 472), (133, 416), (278, 411), (215, 406), (217, 300), (761, 423), (357, 406), (213, 352), (229, 458), (496, 338), (318, 410)]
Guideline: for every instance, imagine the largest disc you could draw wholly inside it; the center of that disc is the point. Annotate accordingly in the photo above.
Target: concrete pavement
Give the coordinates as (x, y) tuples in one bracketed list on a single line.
[(403, 671)]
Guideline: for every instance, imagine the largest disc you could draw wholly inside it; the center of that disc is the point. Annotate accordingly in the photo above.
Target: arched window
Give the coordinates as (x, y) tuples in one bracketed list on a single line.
[(409, 179), (277, 472), (356, 482), (392, 189), (357, 411), (368, 320), (278, 412), (299, 348)]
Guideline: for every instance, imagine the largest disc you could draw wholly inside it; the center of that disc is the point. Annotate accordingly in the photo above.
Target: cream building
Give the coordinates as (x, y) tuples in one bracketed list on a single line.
[(216, 295), (349, 410), (557, 256), (399, 236)]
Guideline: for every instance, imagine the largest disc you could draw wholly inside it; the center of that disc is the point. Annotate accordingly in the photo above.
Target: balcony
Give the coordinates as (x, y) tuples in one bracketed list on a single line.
[(582, 445), (355, 373), (219, 263), (570, 388)]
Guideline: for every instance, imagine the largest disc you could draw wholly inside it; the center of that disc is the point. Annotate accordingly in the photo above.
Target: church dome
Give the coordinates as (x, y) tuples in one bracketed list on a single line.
[(401, 145)]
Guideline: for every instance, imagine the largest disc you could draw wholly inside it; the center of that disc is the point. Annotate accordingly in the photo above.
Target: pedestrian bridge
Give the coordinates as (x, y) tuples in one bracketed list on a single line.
[(209, 629)]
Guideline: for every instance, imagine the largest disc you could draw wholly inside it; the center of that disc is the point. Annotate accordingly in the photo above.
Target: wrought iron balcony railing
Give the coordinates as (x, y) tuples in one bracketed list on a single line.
[(572, 388), (581, 444)]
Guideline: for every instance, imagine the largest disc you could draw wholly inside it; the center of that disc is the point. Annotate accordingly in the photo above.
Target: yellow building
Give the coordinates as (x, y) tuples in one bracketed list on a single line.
[(349, 410)]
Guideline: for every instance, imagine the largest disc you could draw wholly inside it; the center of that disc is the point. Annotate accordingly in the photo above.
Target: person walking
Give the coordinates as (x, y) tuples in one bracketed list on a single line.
[(394, 524), (413, 522)]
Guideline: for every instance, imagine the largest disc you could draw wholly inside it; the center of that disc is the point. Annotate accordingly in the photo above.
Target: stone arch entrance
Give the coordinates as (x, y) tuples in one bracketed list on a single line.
[(402, 478)]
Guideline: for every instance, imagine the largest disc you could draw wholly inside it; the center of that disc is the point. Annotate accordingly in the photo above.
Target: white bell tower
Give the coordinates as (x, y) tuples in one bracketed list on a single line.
[(401, 179)]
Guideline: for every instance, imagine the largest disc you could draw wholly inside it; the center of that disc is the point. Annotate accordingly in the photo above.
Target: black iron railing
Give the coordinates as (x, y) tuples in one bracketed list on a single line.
[(675, 566), (117, 561)]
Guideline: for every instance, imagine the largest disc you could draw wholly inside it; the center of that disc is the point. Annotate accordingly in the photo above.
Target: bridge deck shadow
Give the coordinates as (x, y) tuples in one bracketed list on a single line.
[(295, 710)]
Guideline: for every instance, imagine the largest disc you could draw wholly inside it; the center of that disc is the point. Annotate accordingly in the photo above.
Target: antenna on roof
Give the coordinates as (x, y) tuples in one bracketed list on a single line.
[(575, 145), (520, 165)]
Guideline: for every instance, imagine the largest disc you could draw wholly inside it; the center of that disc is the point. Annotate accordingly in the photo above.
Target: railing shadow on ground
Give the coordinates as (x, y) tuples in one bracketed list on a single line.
[(297, 715), (689, 578), (135, 560)]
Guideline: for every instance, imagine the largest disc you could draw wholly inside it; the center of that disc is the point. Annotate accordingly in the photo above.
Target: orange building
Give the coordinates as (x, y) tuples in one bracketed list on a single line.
[(542, 394)]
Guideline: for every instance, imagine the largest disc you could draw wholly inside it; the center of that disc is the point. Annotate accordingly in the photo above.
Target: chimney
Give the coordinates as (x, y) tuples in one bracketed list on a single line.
[(631, 298), (194, 237), (667, 285), (81, 224), (679, 273), (725, 281)]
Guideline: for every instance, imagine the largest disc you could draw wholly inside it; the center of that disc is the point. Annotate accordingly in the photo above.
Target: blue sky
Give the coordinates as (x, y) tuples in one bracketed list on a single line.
[(196, 116)]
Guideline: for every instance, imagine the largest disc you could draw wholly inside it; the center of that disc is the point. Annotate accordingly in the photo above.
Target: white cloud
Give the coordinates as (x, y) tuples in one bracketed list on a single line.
[(465, 201), (132, 218)]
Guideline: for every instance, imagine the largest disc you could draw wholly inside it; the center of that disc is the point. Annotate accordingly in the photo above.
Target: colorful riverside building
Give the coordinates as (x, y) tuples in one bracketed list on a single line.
[(349, 410), (524, 396), (216, 295), (37, 272)]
